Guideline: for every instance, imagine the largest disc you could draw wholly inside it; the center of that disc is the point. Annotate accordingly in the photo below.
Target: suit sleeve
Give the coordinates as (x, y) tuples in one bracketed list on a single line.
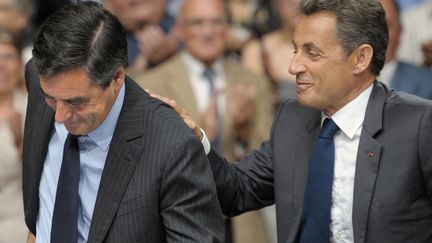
[(33, 88), (189, 206), (248, 184), (425, 151)]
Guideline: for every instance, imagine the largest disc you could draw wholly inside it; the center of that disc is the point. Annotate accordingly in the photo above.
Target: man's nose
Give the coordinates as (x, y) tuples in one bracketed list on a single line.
[(62, 112), (296, 65)]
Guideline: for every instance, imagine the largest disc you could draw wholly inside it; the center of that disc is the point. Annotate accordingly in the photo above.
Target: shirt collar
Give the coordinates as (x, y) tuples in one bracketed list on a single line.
[(103, 134), (350, 117), (196, 67)]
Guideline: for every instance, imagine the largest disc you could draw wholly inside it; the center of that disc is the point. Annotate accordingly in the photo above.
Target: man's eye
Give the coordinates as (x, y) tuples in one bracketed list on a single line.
[(76, 102), (313, 54), (49, 100)]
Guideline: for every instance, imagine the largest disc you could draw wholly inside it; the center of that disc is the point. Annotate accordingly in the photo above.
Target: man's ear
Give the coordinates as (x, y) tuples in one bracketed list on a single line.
[(118, 78), (362, 58)]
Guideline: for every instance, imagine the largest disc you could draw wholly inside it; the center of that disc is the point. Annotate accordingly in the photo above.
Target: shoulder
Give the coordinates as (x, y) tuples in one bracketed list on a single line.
[(31, 76), (240, 73), (415, 72), (162, 73), (404, 104)]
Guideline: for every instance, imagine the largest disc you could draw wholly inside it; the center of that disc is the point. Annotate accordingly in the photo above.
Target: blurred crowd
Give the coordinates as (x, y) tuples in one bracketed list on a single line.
[(226, 62)]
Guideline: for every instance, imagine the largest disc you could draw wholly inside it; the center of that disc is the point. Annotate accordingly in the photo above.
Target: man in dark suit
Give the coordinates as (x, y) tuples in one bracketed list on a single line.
[(367, 176), (142, 175)]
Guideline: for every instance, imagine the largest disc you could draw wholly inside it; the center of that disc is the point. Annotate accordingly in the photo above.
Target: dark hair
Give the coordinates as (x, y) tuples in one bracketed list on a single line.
[(358, 22), (81, 36)]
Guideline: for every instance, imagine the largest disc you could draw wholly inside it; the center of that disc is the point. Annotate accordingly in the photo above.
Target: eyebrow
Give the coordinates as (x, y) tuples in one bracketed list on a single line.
[(312, 46), (73, 99)]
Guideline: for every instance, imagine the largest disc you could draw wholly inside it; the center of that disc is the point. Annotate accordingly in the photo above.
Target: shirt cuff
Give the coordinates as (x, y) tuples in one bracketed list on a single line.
[(205, 142)]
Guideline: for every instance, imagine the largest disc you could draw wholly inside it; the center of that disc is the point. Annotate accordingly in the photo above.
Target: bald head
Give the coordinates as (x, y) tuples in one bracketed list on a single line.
[(202, 26), (190, 5)]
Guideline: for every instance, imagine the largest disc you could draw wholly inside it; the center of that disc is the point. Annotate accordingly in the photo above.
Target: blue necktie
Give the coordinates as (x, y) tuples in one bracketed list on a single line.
[(318, 193), (210, 74), (64, 227)]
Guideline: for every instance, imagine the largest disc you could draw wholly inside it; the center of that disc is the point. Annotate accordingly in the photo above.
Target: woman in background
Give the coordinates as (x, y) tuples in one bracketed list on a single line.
[(12, 111)]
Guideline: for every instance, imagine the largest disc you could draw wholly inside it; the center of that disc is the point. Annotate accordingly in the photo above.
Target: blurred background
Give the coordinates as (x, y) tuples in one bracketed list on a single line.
[(253, 36)]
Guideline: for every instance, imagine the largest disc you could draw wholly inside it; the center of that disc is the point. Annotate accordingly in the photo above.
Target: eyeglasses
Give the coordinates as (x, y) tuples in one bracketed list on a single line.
[(200, 23), (8, 57)]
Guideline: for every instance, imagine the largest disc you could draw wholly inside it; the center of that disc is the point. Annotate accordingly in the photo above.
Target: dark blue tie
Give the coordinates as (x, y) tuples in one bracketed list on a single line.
[(210, 75), (318, 193), (64, 227)]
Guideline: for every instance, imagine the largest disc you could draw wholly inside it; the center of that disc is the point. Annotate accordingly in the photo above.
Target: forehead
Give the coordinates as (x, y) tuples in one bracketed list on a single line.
[(5, 3), (318, 28), (202, 8), (67, 84)]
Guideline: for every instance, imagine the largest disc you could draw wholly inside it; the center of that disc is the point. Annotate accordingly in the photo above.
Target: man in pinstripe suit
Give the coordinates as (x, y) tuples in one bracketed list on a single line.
[(143, 175)]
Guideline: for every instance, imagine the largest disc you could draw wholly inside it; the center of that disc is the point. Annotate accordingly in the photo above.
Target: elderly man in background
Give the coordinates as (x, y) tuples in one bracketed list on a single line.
[(231, 103), (349, 160)]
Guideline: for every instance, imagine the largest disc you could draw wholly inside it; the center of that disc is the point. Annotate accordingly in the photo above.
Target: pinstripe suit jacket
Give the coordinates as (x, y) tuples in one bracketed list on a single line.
[(393, 178), (156, 185)]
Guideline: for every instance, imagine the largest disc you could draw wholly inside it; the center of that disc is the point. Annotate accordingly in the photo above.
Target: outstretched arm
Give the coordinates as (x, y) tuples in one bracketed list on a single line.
[(243, 186)]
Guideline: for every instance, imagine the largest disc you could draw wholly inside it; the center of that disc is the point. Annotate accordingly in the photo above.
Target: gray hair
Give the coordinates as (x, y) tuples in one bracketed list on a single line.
[(358, 22)]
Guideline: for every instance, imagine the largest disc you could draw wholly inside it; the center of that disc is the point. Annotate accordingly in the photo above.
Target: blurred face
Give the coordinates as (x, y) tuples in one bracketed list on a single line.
[(323, 72), (135, 14), (203, 27), (80, 105), (10, 68), (10, 18), (288, 11), (393, 26)]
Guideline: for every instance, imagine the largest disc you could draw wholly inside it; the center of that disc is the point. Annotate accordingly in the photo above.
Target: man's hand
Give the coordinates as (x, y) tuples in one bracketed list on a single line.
[(31, 238), (155, 46), (15, 124), (241, 100), (427, 53), (209, 120), (182, 113)]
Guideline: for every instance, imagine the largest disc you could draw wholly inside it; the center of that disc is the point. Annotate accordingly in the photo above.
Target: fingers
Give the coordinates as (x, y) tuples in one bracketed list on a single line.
[(168, 101), (242, 103), (30, 238), (154, 43), (181, 111)]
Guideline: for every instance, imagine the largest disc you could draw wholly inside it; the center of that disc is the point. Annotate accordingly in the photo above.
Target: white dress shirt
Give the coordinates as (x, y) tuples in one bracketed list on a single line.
[(201, 86), (350, 121)]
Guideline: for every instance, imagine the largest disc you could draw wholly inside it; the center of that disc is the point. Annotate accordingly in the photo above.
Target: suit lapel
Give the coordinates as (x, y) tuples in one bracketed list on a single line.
[(303, 149), (123, 155), (180, 88), (42, 126), (368, 157), (302, 153)]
